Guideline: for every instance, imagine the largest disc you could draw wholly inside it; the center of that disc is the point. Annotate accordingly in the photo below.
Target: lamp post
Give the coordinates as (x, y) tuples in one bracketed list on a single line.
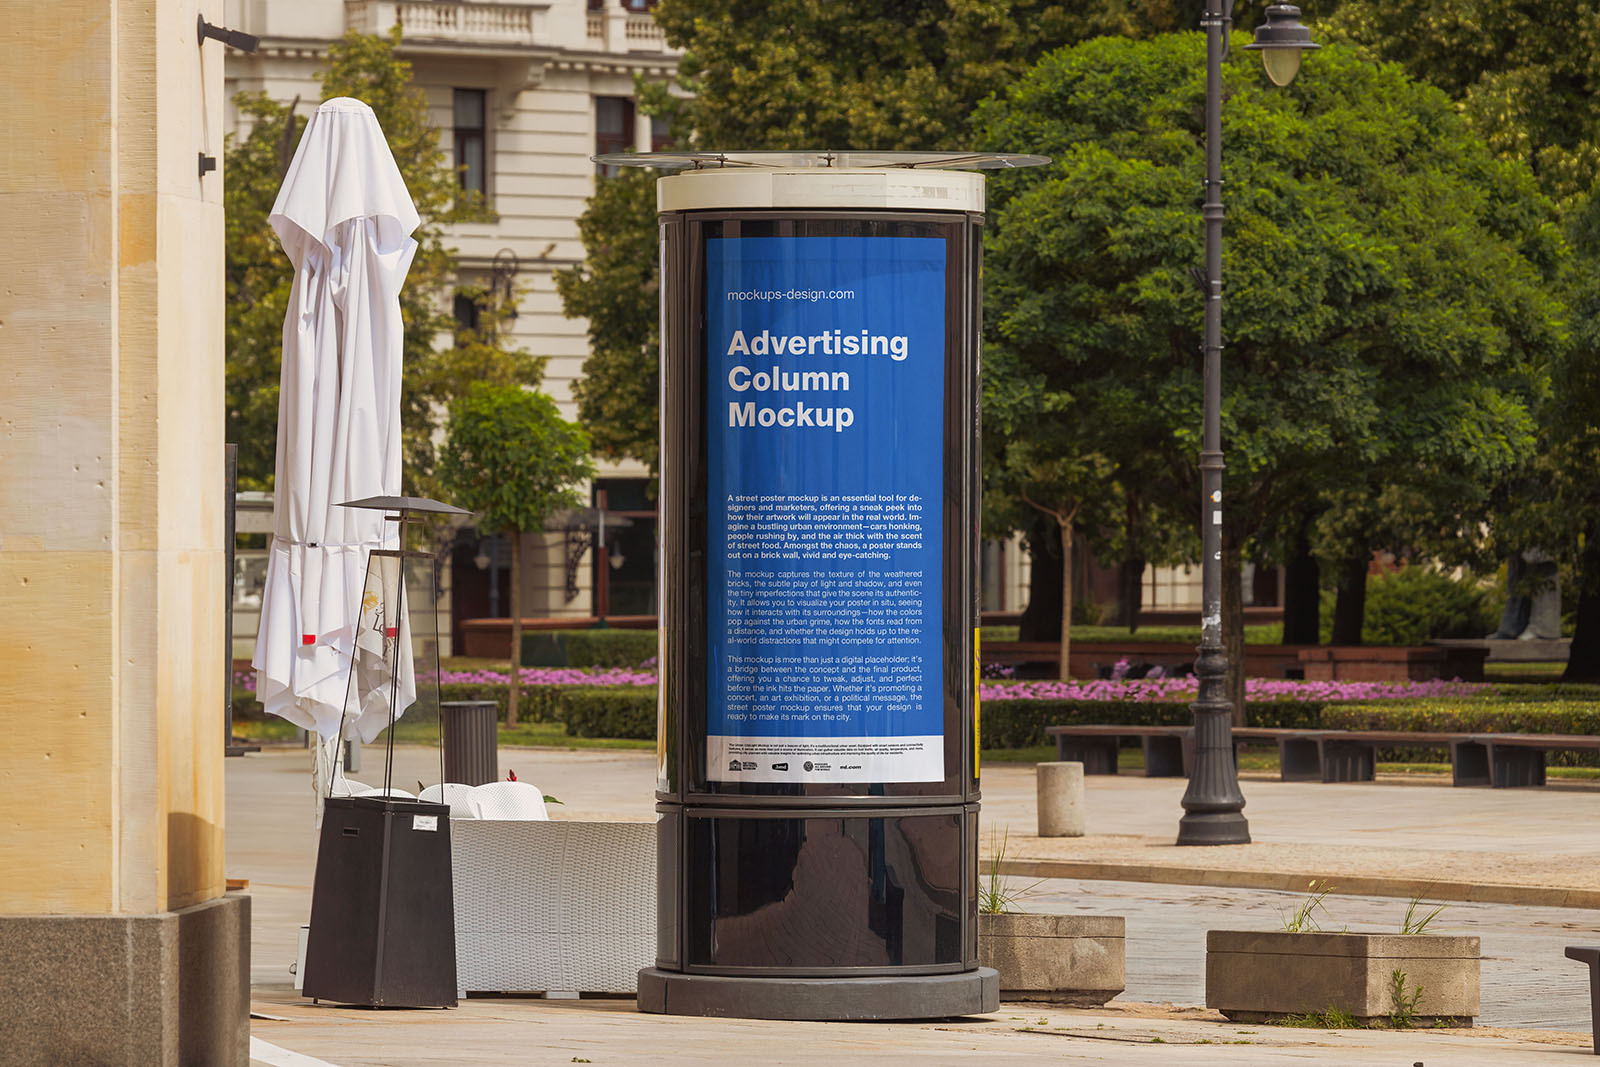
[(1213, 805)]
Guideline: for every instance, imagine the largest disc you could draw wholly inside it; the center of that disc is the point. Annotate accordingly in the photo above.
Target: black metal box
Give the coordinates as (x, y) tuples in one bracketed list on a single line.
[(382, 908)]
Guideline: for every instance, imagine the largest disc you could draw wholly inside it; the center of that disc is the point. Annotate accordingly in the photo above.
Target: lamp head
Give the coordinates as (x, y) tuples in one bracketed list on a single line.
[(1281, 40)]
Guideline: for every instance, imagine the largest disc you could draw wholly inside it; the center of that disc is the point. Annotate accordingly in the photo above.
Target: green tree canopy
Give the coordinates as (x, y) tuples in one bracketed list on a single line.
[(1388, 310), (798, 74), (1525, 73), (1526, 78), (617, 290), (512, 458), (258, 274)]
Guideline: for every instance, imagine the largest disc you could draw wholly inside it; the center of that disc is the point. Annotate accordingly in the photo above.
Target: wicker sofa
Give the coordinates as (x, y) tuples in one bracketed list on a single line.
[(553, 906)]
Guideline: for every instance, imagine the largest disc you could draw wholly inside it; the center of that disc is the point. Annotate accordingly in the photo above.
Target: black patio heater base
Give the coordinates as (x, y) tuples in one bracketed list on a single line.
[(933, 996), (382, 907)]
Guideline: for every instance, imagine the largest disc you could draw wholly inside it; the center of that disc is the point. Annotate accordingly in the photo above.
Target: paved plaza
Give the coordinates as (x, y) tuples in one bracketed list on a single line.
[(1381, 839)]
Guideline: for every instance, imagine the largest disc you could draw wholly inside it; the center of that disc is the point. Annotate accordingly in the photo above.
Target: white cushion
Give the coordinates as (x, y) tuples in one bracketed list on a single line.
[(463, 805), (509, 801)]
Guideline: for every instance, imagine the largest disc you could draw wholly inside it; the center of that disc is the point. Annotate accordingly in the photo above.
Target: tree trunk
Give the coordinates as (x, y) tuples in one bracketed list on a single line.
[(1066, 599), (1302, 593), (1350, 607), (516, 627), (1042, 616), (1130, 577), (1583, 658), (1233, 624)]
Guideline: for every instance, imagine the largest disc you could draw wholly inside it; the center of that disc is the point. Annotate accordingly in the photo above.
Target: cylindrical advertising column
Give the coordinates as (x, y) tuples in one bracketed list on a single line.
[(818, 788)]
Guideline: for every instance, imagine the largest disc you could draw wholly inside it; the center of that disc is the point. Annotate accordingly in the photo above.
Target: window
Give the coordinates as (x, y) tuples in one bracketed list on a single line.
[(660, 137), (471, 140), (613, 127), (468, 314)]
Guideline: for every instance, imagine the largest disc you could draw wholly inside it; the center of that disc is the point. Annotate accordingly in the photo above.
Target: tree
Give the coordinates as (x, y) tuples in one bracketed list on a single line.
[(1388, 284), (796, 74), (617, 290), (1525, 78), (258, 275), (1524, 73), (512, 458)]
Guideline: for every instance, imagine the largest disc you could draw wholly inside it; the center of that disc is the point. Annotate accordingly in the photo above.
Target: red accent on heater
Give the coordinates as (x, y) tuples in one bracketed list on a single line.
[(308, 639)]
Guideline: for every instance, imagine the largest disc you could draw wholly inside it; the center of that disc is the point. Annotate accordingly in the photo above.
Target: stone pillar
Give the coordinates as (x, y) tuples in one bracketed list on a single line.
[(1060, 799), (112, 902)]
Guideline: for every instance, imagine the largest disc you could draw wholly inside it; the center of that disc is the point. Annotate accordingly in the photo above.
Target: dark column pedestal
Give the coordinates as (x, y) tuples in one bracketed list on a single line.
[(837, 999), (155, 990)]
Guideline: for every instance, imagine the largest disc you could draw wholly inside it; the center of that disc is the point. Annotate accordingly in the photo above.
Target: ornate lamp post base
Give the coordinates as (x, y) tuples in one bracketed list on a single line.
[(1213, 805), (1214, 828)]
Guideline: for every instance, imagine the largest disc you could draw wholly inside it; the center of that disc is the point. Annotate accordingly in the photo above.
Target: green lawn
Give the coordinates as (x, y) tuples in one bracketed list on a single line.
[(531, 734), (1523, 672)]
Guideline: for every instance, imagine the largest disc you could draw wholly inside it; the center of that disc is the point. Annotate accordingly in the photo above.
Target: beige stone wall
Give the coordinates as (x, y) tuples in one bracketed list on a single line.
[(111, 519)]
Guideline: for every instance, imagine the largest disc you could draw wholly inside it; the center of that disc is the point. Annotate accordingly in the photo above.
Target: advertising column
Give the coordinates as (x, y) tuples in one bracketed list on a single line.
[(825, 400), (817, 790)]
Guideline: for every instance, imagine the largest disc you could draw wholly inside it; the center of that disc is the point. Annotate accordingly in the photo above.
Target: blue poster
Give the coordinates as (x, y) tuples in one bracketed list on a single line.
[(825, 441)]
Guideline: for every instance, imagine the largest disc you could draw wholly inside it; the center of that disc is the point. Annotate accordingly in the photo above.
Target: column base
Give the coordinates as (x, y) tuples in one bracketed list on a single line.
[(1218, 828), (163, 989), (923, 996)]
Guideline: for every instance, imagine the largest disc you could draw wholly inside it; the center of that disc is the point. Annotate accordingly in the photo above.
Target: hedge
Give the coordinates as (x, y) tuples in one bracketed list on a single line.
[(1485, 715), (1021, 723), (612, 711), (536, 703), (603, 647)]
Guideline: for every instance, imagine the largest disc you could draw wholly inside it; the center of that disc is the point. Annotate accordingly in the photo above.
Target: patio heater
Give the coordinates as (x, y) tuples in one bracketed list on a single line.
[(817, 793), (382, 907)]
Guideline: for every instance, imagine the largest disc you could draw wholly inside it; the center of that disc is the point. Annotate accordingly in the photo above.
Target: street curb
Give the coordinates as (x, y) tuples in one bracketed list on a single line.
[(1298, 881)]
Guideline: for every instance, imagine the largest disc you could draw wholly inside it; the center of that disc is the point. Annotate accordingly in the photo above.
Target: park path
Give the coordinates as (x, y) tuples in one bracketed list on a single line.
[(1359, 830)]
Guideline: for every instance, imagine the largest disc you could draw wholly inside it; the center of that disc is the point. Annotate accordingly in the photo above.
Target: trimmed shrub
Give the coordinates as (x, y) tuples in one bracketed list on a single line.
[(1521, 714), (538, 703), (1488, 715), (613, 711), (1412, 604), (607, 647), (1021, 723)]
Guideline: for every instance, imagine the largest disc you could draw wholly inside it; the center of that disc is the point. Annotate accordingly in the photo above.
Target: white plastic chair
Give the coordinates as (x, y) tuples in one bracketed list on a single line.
[(463, 805), (510, 802)]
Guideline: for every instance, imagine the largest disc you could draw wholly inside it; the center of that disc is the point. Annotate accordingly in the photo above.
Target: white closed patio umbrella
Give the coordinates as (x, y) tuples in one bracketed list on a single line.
[(345, 220)]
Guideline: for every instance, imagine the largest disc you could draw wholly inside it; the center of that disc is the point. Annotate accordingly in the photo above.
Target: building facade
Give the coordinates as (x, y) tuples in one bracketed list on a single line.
[(523, 94)]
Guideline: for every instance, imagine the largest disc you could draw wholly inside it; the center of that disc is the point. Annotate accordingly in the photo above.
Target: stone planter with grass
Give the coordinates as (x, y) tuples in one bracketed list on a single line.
[(1387, 979), (1077, 960)]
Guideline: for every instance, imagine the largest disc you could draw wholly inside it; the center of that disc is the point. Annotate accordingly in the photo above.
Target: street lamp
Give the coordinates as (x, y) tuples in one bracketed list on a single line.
[(1213, 805)]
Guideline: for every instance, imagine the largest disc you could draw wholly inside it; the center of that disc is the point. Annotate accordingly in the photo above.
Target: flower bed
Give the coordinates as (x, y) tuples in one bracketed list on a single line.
[(1255, 689)]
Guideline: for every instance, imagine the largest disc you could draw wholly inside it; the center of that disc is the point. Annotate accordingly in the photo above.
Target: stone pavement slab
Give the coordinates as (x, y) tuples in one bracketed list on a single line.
[(1526, 980), (1387, 838), (496, 1031), (1522, 843)]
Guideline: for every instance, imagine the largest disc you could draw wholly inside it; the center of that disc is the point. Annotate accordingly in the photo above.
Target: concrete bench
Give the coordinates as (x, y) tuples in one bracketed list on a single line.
[(1497, 760), (1169, 750), (1504, 761), (1591, 956), (1501, 761), (1165, 747)]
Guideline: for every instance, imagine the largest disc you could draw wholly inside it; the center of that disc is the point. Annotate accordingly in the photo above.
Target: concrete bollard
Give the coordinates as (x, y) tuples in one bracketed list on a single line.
[(1061, 800)]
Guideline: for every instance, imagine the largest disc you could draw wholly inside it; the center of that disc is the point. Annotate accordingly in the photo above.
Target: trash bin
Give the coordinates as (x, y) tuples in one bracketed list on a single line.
[(471, 741)]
